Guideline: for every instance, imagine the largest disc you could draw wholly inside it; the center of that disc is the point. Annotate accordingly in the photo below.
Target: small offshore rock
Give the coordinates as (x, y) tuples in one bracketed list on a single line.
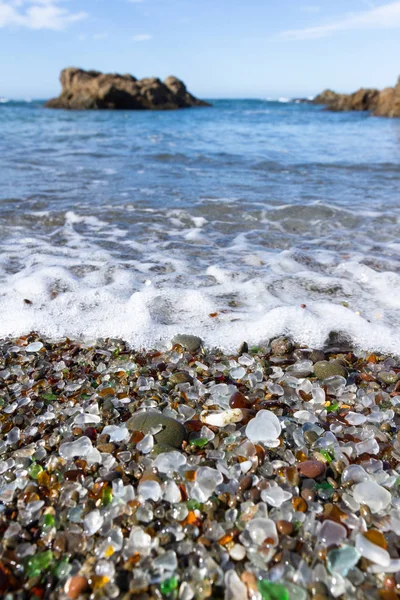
[(324, 369), (172, 433), (190, 342), (281, 346), (311, 468)]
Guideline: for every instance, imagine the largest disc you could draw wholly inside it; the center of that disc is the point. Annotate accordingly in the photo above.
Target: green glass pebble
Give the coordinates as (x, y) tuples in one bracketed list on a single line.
[(107, 496), (49, 520), (324, 485), (193, 504), (62, 569), (169, 585), (341, 560), (38, 563), (35, 471), (199, 442), (49, 397), (326, 455), (272, 591)]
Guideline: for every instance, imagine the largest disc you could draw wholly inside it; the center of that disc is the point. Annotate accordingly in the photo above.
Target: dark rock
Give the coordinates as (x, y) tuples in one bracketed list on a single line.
[(337, 342), (324, 369), (94, 90), (244, 348), (172, 433), (385, 103)]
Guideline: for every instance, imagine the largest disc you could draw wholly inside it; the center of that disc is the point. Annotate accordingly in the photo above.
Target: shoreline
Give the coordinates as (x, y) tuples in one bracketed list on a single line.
[(269, 473)]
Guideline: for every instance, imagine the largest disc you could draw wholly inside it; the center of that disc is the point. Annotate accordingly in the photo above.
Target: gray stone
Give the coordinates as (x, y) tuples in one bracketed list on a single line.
[(387, 377), (281, 346), (324, 369), (172, 433), (190, 342), (161, 448), (180, 377)]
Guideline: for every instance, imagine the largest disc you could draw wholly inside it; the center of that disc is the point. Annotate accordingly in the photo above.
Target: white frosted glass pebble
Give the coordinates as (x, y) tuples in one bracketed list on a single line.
[(80, 448), (150, 490), (374, 553), (372, 494), (275, 496), (265, 427)]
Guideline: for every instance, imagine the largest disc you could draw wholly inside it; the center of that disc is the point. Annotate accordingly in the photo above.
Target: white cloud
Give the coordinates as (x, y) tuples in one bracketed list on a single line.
[(382, 17), (142, 37), (136, 1), (39, 14)]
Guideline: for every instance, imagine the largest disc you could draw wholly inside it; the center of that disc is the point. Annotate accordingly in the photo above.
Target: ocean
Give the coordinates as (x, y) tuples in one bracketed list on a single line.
[(238, 222)]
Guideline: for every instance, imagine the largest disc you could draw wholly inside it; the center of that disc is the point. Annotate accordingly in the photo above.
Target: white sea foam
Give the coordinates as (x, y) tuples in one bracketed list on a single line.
[(90, 279)]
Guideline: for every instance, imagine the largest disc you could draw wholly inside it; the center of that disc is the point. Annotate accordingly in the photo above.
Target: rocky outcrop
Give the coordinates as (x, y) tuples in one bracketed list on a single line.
[(94, 90), (385, 103)]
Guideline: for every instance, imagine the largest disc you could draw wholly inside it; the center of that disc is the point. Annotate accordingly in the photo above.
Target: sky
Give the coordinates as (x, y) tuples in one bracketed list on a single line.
[(220, 48)]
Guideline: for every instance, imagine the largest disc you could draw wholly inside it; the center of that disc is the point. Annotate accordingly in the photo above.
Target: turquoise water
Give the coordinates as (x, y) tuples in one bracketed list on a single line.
[(142, 224)]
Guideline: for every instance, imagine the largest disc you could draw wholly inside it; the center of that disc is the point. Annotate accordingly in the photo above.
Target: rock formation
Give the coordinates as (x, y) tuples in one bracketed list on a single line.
[(94, 90), (385, 103)]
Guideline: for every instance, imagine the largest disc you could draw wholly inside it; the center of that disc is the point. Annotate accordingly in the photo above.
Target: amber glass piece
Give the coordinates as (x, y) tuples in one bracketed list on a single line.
[(301, 456), (388, 595), (136, 437), (108, 391), (190, 475), (372, 358), (225, 539), (299, 504), (43, 479), (376, 537)]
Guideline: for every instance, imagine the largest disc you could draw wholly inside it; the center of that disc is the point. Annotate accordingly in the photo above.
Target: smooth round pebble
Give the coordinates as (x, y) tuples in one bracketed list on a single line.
[(311, 468)]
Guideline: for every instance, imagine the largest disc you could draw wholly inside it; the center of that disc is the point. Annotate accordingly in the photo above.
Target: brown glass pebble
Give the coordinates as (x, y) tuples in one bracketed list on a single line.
[(284, 527), (238, 400)]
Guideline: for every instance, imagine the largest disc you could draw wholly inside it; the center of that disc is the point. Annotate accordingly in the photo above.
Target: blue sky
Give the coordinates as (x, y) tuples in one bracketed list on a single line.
[(220, 48)]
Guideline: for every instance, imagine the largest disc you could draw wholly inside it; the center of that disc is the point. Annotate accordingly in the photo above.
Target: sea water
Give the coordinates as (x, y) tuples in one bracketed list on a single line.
[(237, 222)]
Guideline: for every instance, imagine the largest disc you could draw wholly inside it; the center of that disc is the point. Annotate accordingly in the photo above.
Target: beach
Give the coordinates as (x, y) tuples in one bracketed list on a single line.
[(268, 473), (207, 405)]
